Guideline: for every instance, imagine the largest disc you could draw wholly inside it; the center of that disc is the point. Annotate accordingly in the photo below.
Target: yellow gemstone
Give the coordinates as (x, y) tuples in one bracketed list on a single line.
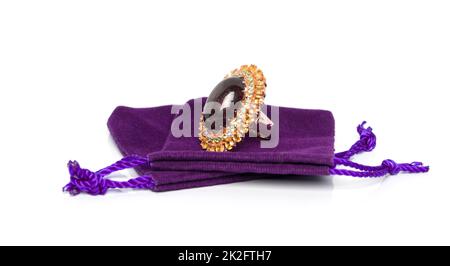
[(219, 148), (260, 87), (259, 75)]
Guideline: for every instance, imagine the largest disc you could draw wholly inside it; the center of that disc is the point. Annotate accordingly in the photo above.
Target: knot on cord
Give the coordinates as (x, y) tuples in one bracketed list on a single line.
[(84, 180), (97, 183), (368, 140), (392, 167)]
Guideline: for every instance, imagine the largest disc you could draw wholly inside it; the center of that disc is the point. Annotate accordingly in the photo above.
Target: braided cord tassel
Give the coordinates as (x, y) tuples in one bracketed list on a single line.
[(366, 143), (95, 183)]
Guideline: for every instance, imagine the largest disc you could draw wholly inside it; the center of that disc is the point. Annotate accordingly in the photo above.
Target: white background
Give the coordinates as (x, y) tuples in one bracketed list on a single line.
[(65, 65)]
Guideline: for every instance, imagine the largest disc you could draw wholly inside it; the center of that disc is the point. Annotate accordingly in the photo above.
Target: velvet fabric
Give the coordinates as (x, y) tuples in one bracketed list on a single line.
[(306, 139)]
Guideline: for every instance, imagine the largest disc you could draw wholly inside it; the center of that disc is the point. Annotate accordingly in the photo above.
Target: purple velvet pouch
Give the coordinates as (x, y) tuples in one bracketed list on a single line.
[(305, 147), (165, 162), (143, 131)]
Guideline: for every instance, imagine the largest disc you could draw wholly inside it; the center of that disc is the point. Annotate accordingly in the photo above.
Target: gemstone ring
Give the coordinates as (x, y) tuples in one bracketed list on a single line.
[(231, 108)]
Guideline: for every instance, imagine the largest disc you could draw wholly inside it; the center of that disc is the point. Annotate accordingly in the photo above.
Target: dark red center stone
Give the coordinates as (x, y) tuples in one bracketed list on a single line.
[(224, 96)]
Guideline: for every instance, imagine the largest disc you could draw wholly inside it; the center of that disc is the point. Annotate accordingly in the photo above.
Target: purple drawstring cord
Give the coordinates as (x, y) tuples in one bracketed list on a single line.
[(367, 142), (95, 183)]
